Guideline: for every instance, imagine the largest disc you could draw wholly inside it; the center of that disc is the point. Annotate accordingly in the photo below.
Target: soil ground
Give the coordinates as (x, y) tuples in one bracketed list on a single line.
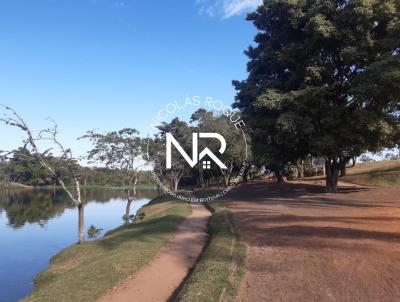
[(158, 280), (307, 245)]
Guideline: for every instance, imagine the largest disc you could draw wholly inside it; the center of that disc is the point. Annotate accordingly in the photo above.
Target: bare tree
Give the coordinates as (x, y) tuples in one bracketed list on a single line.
[(12, 118), (121, 150)]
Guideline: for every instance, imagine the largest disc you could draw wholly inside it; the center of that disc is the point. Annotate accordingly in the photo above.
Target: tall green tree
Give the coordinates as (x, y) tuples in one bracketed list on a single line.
[(323, 80)]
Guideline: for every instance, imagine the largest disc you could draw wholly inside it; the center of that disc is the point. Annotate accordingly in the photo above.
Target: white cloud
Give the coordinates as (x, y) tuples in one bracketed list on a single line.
[(226, 8), (236, 7)]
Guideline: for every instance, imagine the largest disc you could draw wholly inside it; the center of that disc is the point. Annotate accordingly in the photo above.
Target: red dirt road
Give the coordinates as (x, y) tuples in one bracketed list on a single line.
[(307, 245)]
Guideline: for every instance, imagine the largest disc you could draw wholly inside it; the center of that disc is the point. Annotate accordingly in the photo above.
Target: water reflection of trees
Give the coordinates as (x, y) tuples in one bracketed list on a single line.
[(39, 206)]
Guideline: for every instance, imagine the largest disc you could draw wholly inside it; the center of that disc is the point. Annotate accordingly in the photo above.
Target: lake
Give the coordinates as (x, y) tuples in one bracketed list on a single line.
[(37, 224)]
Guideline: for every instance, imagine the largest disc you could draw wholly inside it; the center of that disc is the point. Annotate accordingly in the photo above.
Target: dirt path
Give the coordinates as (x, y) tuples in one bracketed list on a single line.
[(158, 280), (307, 245)]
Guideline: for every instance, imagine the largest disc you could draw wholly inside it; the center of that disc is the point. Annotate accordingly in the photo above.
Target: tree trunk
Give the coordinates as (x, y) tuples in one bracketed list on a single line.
[(131, 196), (343, 169), (128, 210), (158, 189), (81, 214), (175, 183), (81, 226), (246, 175), (301, 170), (226, 180), (201, 178), (279, 176), (332, 167), (343, 163)]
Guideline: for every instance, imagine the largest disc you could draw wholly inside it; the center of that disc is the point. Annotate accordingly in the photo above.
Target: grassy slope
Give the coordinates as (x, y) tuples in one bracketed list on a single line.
[(217, 274), (85, 272), (383, 173)]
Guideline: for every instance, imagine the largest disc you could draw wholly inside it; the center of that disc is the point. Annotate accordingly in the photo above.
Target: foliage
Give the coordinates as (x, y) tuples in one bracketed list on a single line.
[(26, 170), (201, 121), (291, 172), (182, 132), (236, 151), (94, 232), (323, 80), (122, 150)]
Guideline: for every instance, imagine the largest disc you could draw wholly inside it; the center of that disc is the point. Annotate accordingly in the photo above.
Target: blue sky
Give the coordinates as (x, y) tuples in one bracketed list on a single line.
[(105, 64)]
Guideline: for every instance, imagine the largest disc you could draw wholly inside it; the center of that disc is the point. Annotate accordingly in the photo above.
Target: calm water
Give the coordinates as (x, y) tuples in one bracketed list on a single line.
[(35, 225)]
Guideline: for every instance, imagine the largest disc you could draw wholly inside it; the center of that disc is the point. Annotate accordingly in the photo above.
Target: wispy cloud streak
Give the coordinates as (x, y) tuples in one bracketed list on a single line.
[(226, 8)]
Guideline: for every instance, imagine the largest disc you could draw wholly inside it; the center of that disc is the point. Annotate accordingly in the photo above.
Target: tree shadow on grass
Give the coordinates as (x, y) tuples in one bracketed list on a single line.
[(300, 236), (148, 230), (145, 230), (308, 195)]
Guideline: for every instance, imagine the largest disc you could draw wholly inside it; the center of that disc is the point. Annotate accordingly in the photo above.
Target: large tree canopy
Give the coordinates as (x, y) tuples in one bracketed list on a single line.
[(323, 80)]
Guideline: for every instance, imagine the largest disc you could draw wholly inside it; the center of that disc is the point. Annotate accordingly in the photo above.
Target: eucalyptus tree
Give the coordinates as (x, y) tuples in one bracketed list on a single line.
[(65, 159), (323, 80), (122, 150)]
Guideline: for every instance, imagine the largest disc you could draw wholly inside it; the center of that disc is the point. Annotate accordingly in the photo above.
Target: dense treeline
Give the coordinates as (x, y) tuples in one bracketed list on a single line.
[(25, 169)]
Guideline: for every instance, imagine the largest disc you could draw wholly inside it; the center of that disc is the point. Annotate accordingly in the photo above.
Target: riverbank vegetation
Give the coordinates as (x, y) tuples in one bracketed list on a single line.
[(85, 272)]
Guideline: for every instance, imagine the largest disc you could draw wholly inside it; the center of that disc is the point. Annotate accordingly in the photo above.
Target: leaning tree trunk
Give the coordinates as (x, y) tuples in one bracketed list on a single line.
[(81, 224), (332, 167)]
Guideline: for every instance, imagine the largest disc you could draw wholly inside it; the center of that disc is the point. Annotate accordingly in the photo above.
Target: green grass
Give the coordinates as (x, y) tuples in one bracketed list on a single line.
[(383, 173), (87, 271), (217, 274)]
